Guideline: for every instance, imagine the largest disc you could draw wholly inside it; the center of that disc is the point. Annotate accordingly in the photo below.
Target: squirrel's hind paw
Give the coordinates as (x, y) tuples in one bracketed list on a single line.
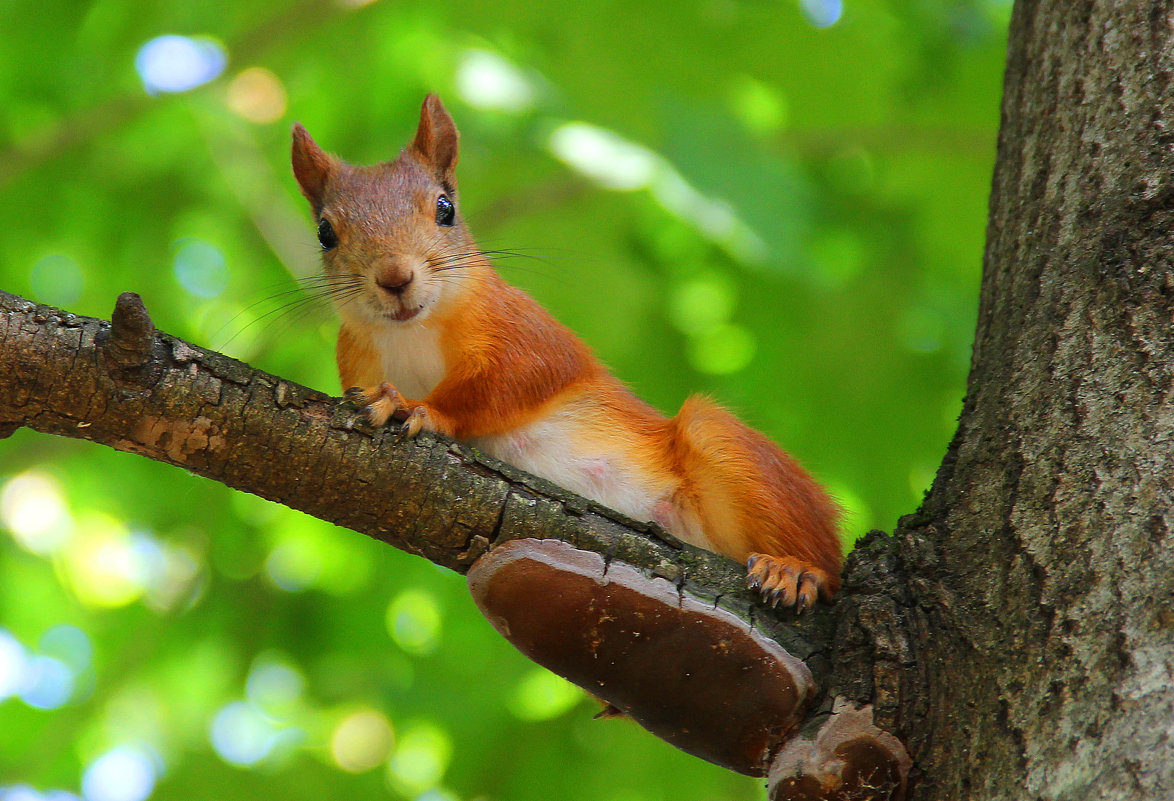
[(787, 581), (417, 421)]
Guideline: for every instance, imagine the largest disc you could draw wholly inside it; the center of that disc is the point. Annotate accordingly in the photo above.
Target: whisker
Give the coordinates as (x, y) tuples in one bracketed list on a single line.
[(312, 292)]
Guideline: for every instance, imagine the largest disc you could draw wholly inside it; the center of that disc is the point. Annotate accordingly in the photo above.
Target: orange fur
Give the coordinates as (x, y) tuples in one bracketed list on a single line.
[(422, 307), (358, 363)]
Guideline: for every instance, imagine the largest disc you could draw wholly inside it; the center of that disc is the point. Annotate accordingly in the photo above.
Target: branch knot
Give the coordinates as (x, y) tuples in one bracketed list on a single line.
[(132, 334)]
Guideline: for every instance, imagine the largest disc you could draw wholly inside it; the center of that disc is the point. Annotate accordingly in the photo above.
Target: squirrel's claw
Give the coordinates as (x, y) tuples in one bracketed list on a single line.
[(786, 581), (414, 424), (378, 403)]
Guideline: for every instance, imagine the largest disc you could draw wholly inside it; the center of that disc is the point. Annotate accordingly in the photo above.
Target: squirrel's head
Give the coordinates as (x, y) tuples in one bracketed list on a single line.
[(393, 243)]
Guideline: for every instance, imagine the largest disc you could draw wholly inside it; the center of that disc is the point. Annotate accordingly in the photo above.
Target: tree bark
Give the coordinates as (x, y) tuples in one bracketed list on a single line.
[(1017, 631)]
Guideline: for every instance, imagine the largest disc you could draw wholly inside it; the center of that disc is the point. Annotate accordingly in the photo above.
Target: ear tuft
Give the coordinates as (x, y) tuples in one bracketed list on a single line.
[(311, 166), (437, 140)]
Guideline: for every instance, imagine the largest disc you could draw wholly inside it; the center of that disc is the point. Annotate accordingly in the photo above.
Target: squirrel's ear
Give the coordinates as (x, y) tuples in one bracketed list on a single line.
[(311, 165), (437, 139)]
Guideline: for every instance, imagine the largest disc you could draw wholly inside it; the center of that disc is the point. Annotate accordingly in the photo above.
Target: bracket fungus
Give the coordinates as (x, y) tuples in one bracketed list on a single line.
[(693, 674), (849, 758)]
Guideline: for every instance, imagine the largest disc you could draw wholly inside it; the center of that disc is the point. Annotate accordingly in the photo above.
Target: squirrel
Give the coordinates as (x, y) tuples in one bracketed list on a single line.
[(431, 334)]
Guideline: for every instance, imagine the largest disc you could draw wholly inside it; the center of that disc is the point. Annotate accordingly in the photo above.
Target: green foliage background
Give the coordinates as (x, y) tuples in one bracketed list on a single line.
[(818, 273)]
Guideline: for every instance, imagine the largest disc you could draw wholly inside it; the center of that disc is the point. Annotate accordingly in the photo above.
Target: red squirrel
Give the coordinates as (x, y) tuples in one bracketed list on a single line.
[(431, 331)]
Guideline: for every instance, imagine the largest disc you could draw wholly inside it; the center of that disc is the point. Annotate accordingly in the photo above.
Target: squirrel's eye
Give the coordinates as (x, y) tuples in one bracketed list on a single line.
[(446, 212), (326, 235)]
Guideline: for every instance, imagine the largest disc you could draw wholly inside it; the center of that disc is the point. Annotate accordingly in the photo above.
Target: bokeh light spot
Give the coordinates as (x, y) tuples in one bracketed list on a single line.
[(702, 302), (200, 268), (615, 163), (125, 773), (48, 683), (257, 95), (488, 81), (761, 107), (102, 565), (722, 349), (714, 218), (420, 758), (69, 644), (822, 13), (438, 794), (361, 741), (33, 509), (414, 622), (541, 695), (13, 665), (170, 573), (242, 735), (20, 792), (274, 687), (56, 279), (603, 156), (293, 565), (179, 63)]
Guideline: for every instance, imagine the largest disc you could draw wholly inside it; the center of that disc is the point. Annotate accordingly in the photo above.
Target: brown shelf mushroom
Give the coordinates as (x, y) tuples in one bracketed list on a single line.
[(695, 675)]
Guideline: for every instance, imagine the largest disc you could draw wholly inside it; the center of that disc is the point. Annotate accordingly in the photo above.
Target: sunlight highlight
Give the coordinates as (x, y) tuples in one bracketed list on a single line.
[(13, 665), (274, 687), (822, 13), (541, 695), (33, 509), (603, 156), (488, 81), (257, 95), (179, 63), (414, 622), (69, 644), (615, 163), (125, 773), (242, 735), (722, 349), (22, 792), (701, 302), (293, 565), (101, 564), (200, 268), (420, 759), (361, 741), (48, 683)]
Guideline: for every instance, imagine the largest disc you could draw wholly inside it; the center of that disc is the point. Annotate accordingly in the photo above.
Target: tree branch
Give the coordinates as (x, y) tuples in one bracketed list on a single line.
[(141, 391)]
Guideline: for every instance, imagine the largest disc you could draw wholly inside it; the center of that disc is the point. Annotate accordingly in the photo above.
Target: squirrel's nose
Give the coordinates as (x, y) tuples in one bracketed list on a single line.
[(395, 283)]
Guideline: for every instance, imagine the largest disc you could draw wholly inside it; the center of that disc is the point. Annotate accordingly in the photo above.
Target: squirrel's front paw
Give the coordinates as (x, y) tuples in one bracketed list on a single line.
[(787, 581), (378, 403)]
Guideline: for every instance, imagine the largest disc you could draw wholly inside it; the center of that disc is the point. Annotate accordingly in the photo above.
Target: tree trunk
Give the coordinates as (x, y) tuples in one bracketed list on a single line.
[(1018, 631)]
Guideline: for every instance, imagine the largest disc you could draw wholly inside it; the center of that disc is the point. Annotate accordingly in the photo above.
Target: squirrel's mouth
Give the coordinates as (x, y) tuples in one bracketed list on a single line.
[(405, 314)]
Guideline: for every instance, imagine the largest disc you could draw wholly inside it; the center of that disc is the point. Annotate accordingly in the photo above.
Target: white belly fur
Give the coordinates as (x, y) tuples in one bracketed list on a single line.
[(547, 448), (411, 358)]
